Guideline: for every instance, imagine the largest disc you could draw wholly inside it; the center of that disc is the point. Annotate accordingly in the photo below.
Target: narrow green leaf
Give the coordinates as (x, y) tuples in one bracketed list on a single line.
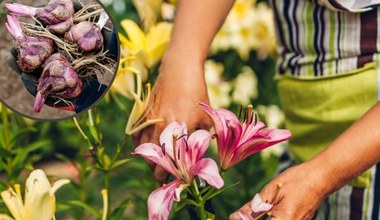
[(86, 207), (184, 202), (118, 212), (214, 192), (94, 133), (119, 163), (18, 134)]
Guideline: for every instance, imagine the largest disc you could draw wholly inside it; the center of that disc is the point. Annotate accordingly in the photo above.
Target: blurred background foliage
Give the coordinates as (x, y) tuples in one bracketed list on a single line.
[(240, 71)]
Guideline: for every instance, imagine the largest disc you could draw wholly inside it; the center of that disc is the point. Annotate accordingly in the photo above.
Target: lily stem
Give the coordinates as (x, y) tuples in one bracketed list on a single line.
[(7, 138), (198, 197)]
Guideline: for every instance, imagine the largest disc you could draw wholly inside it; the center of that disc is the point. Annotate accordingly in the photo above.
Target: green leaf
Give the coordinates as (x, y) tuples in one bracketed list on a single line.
[(183, 203), (214, 192), (86, 207), (119, 163), (106, 161), (94, 133), (18, 135), (22, 153), (4, 153), (118, 212)]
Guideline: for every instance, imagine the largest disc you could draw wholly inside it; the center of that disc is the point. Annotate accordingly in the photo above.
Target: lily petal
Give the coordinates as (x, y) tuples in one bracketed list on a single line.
[(219, 117), (259, 207), (134, 32), (166, 137), (232, 140), (244, 216), (39, 204), (5, 217), (161, 200), (157, 42), (154, 153), (262, 140), (13, 202), (198, 141), (207, 169)]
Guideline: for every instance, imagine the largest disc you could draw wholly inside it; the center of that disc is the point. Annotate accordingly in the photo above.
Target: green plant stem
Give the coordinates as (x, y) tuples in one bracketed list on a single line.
[(7, 137), (198, 197), (81, 132)]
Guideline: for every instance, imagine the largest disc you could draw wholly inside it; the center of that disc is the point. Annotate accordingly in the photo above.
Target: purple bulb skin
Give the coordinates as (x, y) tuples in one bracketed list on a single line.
[(87, 35), (57, 15), (58, 79), (32, 50)]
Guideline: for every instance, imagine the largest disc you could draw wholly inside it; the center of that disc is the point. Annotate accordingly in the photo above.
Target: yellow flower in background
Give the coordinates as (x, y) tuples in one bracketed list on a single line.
[(149, 11), (248, 27), (147, 47), (218, 90), (140, 52), (39, 198), (138, 118), (264, 31)]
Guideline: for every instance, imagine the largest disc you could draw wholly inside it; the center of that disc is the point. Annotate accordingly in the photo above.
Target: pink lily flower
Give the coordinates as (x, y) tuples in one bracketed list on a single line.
[(238, 140), (182, 157)]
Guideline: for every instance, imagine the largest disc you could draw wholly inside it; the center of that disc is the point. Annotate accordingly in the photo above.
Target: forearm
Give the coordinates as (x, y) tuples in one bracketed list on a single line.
[(353, 152), (196, 23)]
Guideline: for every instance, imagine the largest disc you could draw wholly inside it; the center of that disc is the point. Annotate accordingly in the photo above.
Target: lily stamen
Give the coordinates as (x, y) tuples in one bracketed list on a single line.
[(249, 114), (240, 111), (163, 148), (175, 155)]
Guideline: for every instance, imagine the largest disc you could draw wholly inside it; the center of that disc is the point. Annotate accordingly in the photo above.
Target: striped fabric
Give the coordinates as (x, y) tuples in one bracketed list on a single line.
[(324, 38), (353, 203)]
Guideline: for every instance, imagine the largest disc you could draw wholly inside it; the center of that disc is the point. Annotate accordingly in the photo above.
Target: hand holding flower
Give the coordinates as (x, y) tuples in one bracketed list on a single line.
[(179, 88), (299, 196)]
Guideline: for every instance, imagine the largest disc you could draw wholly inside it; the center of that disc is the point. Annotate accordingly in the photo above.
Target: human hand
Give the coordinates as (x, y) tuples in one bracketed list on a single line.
[(295, 194), (176, 93)]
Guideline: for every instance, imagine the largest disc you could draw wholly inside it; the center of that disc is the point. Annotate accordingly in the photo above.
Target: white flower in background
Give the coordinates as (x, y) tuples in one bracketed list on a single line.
[(248, 27), (264, 31), (273, 117), (167, 11), (245, 87), (39, 198), (218, 90)]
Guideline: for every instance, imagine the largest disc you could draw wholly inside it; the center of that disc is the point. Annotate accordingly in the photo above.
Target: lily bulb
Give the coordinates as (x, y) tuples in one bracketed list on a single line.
[(57, 15), (32, 50), (39, 198), (88, 35)]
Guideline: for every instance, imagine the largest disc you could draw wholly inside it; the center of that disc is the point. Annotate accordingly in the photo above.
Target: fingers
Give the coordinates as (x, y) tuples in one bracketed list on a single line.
[(246, 209)]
